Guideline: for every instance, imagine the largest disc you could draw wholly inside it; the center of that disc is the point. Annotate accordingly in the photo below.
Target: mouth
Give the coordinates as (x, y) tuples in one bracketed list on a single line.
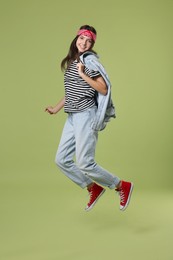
[(82, 48)]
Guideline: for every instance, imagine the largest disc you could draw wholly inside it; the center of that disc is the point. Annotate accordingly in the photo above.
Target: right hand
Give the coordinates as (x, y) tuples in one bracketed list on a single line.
[(50, 110)]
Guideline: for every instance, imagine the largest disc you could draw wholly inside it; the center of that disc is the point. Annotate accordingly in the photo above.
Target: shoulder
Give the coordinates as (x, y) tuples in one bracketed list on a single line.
[(90, 59), (89, 55)]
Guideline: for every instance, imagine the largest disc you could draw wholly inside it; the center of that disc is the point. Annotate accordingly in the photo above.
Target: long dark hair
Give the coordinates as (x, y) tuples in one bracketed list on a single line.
[(73, 51)]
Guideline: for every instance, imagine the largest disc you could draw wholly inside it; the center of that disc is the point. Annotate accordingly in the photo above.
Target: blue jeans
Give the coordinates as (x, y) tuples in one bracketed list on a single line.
[(79, 140)]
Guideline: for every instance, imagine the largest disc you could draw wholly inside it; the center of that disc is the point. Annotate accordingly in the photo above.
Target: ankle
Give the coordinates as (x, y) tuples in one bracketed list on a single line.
[(90, 185), (119, 185)]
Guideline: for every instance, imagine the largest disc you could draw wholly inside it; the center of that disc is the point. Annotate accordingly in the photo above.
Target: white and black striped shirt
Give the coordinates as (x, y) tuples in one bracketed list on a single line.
[(79, 95)]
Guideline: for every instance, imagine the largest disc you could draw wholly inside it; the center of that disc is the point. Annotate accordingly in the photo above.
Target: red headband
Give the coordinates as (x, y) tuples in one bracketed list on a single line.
[(87, 33)]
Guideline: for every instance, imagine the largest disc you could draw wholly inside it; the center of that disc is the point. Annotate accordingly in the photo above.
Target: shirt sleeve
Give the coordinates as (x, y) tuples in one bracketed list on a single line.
[(92, 73)]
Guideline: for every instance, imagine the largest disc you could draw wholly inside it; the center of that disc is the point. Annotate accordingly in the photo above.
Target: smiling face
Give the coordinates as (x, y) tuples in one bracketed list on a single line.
[(84, 43)]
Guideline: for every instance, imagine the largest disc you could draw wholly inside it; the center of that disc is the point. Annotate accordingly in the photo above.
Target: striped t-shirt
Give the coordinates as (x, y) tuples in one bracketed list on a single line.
[(79, 95)]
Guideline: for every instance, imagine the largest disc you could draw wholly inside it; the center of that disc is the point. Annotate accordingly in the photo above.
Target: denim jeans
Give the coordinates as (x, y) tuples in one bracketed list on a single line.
[(79, 141)]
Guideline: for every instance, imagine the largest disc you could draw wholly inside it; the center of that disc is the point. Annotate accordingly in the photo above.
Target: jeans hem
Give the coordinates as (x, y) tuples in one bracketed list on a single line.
[(113, 186), (85, 184)]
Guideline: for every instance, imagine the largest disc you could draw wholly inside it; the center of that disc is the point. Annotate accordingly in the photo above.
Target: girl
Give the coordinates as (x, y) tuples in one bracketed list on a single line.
[(89, 107)]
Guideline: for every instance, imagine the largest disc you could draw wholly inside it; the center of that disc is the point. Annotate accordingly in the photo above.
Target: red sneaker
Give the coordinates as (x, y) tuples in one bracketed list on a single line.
[(125, 192), (95, 193)]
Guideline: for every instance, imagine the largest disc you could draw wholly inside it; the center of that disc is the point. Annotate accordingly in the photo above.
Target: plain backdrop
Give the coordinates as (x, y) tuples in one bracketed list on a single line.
[(134, 44)]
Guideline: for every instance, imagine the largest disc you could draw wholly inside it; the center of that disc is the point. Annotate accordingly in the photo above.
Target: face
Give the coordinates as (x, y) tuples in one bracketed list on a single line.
[(84, 43)]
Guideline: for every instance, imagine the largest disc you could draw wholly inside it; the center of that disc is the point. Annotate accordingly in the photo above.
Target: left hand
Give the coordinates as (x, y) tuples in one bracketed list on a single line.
[(80, 67)]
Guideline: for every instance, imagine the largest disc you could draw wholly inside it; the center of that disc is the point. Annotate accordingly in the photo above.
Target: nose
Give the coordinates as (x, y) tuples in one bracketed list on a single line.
[(84, 42)]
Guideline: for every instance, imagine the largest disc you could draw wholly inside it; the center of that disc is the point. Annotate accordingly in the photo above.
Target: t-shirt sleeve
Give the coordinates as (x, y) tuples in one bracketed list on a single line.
[(92, 73)]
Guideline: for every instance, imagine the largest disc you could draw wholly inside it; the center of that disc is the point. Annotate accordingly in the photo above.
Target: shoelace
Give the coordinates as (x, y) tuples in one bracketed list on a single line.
[(122, 195), (90, 193)]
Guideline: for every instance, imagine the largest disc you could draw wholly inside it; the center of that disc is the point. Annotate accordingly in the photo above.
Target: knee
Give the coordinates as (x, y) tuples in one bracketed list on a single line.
[(62, 162), (86, 167), (59, 160)]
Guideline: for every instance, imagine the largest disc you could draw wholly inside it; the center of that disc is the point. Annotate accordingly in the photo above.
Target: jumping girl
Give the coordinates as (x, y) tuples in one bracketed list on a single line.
[(89, 107)]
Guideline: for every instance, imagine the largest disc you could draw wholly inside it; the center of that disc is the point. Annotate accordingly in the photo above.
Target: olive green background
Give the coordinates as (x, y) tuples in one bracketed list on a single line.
[(41, 212)]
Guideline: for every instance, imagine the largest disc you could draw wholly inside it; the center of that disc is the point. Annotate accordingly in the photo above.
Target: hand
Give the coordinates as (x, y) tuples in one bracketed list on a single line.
[(50, 110), (80, 67)]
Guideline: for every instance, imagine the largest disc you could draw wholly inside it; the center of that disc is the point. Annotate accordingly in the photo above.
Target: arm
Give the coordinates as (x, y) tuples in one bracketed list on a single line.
[(53, 110), (97, 83)]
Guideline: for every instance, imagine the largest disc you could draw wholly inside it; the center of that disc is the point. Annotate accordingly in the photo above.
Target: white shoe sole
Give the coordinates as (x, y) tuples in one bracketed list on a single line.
[(92, 205)]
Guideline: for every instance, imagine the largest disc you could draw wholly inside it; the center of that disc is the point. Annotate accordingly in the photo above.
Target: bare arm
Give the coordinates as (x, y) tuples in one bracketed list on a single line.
[(53, 110), (97, 83)]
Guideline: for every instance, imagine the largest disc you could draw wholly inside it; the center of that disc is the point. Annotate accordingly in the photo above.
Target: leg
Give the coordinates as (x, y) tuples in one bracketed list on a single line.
[(65, 154), (86, 140)]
